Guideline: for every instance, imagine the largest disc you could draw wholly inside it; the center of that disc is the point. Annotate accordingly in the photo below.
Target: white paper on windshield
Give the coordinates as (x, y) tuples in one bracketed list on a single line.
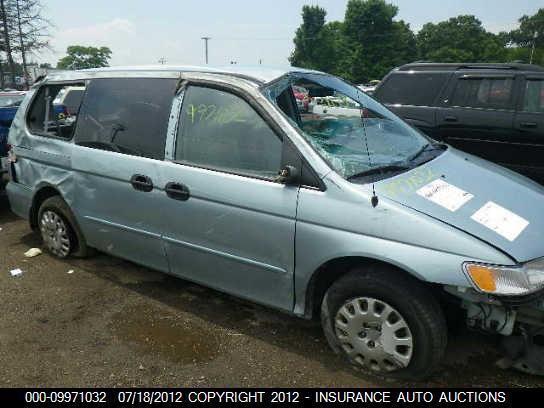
[(445, 194), (500, 220)]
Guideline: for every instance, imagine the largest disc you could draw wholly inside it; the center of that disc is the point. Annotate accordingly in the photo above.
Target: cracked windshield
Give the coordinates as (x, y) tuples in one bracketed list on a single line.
[(359, 138)]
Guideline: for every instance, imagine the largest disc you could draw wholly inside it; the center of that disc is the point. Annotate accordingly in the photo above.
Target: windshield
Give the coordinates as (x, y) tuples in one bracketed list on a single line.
[(356, 135)]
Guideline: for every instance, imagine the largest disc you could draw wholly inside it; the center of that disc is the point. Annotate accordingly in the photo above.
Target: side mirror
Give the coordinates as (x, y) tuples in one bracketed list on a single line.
[(289, 175)]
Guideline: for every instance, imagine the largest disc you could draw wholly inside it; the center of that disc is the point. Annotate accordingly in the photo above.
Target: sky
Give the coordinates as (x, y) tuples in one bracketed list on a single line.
[(141, 32)]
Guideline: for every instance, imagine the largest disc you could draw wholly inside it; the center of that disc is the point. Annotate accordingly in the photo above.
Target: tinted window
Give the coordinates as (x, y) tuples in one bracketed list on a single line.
[(222, 131), (128, 115), (419, 89), (490, 93), (533, 100), (49, 117)]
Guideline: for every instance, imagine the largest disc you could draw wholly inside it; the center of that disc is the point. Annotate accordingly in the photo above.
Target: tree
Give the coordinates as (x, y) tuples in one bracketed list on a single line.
[(530, 33), (460, 39), (308, 36), (80, 57), (377, 42), (6, 27), (365, 46), (30, 29)]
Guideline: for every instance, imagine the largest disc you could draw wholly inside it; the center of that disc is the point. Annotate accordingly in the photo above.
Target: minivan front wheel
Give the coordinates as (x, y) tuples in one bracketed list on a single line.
[(384, 323), (59, 230)]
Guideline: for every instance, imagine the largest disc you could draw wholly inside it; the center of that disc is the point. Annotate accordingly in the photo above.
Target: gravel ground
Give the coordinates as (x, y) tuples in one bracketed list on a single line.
[(113, 323)]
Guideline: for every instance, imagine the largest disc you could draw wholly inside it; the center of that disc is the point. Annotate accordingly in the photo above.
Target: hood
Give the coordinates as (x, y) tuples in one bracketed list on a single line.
[(492, 203)]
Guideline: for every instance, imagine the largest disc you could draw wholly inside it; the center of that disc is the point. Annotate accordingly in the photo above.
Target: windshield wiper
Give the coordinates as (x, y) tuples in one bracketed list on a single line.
[(435, 146), (376, 170)]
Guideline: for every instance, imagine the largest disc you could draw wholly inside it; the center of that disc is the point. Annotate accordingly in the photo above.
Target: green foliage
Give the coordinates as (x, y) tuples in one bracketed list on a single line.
[(365, 46), (459, 39), (529, 26), (309, 38), (530, 31), (370, 42), (80, 57)]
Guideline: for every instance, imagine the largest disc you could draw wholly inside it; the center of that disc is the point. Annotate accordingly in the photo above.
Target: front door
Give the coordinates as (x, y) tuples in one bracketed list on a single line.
[(230, 225)]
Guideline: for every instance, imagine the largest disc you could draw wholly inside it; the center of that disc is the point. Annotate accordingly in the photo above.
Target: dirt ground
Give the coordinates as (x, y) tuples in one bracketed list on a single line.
[(113, 323)]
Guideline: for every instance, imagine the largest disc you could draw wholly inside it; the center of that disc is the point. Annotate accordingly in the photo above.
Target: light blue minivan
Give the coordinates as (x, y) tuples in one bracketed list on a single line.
[(342, 212)]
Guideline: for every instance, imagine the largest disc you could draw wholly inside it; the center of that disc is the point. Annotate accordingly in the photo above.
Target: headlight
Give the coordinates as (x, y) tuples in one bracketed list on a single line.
[(506, 280)]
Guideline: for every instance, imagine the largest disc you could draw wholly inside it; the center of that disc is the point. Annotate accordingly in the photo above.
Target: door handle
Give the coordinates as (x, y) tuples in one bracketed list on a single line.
[(528, 124), (177, 191), (450, 118), (141, 183)]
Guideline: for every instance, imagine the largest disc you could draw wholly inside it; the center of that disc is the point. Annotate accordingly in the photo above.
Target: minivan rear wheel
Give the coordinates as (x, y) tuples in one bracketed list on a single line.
[(384, 323), (58, 229)]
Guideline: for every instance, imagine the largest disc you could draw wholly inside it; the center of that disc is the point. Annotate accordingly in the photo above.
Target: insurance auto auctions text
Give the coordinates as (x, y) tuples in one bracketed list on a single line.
[(343, 396)]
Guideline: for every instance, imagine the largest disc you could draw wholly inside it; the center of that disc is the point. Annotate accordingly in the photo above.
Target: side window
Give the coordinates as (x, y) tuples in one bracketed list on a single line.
[(126, 115), (533, 99), (221, 131), (50, 113), (486, 93), (419, 89)]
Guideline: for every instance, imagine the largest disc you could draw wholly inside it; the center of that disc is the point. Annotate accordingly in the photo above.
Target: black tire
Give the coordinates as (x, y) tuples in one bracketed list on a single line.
[(412, 300), (78, 246)]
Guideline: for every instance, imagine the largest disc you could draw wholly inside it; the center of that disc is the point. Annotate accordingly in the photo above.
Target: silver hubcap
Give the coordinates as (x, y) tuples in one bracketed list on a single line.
[(55, 234), (374, 334)]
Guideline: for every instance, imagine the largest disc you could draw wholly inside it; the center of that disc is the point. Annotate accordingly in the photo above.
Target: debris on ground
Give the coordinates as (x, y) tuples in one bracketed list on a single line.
[(16, 272), (32, 252), (70, 271)]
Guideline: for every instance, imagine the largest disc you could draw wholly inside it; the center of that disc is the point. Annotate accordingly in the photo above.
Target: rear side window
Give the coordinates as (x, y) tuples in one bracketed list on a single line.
[(486, 93), (419, 89), (50, 116), (533, 100), (126, 115)]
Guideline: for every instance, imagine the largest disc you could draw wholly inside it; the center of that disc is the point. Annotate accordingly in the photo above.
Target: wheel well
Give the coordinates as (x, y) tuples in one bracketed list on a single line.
[(334, 269), (43, 194)]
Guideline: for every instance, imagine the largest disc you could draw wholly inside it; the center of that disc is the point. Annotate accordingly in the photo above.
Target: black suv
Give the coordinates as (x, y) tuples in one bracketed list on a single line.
[(495, 111)]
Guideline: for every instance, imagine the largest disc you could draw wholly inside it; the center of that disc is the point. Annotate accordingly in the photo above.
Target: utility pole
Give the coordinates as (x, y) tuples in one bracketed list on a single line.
[(206, 39), (533, 48)]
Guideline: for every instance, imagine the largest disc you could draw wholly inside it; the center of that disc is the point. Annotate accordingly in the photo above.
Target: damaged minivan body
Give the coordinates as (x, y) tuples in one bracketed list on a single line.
[(341, 211)]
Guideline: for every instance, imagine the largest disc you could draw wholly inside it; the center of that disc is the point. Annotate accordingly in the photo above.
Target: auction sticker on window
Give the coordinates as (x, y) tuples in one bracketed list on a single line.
[(500, 220), (445, 194)]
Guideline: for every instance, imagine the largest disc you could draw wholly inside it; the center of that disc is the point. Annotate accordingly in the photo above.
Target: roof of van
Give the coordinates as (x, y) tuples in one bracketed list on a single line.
[(256, 73), (435, 66)]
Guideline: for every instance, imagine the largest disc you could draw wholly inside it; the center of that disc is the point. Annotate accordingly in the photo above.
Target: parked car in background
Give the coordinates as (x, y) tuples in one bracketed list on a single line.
[(301, 95), (9, 103), (68, 100), (369, 87), (345, 214), (495, 111)]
